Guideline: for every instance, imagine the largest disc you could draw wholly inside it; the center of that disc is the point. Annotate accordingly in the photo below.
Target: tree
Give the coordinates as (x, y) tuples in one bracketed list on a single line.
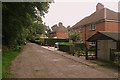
[(48, 31), (19, 21), (74, 36)]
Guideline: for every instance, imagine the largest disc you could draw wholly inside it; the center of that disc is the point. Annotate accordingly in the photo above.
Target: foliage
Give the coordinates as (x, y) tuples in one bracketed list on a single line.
[(48, 32), (7, 58), (115, 56), (92, 48), (74, 36), (52, 41), (40, 41), (22, 21), (66, 47), (74, 48), (80, 46)]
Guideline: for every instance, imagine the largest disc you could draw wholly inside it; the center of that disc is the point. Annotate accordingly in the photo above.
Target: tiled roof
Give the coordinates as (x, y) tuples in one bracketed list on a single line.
[(61, 29), (103, 14)]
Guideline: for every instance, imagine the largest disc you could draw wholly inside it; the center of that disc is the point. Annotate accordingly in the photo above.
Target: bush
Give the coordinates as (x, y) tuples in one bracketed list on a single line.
[(76, 48), (92, 48), (52, 41), (48, 41), (80, 46), (39, 41), (66, 47)]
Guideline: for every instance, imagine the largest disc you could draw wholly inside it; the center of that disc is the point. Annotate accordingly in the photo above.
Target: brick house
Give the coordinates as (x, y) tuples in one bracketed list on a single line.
[(103, 19), (59, 31)]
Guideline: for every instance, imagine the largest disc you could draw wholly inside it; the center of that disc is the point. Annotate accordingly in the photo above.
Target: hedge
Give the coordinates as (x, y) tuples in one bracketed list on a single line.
[(40, 41), (80, 46), (66, 47), (52, 41), (48, 41), (71, 48)]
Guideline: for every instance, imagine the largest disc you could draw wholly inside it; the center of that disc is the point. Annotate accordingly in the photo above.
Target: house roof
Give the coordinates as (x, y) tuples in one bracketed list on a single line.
[(43, 36), (61, 29), (105, 35), (103, 14)]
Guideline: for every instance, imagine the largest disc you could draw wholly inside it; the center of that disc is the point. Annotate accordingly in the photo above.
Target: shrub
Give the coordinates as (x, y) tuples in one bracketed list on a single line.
[(66, 47), (80, 46), (52, 41), (92, 48), (76, 48), (39, 41), (74, 36)]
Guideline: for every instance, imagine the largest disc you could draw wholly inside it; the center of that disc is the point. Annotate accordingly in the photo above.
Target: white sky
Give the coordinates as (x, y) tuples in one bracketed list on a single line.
[(72, 11)]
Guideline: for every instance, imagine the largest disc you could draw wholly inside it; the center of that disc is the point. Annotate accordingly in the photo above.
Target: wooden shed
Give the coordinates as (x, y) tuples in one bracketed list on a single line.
[(105, 42)]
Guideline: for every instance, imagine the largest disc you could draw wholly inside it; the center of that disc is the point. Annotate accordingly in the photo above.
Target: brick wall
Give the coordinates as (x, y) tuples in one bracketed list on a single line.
[(62, 35), (89, 33), (103, 26), (111, 26)]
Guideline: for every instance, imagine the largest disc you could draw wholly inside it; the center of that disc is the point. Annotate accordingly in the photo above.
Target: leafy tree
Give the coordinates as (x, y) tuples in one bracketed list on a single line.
[(48, 31), (19, 21), (74, 36)]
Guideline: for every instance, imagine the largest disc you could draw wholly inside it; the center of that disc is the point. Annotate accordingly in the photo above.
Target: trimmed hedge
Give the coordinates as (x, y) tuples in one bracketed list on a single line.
[(66, 47), (40, 41), (52, 41), (48, 41), (71, 48)]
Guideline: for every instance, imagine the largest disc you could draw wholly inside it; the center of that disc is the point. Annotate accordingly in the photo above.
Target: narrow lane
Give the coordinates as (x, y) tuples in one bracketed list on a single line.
[(37, 62)]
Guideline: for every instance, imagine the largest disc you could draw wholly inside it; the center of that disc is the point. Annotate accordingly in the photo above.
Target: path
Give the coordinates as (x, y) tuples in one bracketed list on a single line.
[(38, 62)]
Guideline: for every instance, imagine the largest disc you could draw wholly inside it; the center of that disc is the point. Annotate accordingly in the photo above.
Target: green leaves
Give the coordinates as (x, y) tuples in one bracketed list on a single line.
[(75, 36), (19, 21)]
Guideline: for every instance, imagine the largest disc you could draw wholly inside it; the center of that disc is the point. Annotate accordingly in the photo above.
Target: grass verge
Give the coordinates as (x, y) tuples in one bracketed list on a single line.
[(7, 58)]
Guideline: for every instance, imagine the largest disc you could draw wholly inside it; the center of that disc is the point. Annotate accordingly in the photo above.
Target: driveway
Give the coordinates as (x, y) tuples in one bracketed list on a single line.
[(37, 62)]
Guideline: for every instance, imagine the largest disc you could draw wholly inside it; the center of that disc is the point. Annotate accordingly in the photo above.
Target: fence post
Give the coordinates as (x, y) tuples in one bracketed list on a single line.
[(110, 54)]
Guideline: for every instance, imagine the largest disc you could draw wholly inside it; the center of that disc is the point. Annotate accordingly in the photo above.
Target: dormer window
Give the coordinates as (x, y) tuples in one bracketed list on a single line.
[(92, 26)]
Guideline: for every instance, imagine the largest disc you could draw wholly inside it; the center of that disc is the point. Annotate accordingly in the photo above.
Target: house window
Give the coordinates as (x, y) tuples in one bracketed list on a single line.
[(92, 27), (92, 43)]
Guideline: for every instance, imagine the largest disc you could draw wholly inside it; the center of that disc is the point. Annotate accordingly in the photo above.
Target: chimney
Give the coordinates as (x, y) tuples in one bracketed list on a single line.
[(68, 27), (60, 24), (99, 6)]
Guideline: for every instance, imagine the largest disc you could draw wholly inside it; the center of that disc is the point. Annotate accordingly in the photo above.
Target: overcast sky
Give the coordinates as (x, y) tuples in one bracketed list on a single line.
[(69, 12)]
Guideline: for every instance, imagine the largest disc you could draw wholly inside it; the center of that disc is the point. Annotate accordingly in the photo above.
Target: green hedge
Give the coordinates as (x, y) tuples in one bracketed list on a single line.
[(52, 41), (79, 46), (48, 41), (66, 47), (71, 48), (40, 41)]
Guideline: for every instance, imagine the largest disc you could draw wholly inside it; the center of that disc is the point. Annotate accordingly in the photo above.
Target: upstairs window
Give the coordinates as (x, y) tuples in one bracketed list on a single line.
[(92, 27)]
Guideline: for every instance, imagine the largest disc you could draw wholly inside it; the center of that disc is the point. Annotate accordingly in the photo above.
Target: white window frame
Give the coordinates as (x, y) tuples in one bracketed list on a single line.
[(92, 43), (92, 26)]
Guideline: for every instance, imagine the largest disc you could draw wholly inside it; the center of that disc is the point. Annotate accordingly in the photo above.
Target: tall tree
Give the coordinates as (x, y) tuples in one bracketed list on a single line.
[(19, 20)]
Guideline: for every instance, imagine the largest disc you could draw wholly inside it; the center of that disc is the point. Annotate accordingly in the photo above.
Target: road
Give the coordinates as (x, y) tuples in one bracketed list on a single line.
[(37, 62)]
